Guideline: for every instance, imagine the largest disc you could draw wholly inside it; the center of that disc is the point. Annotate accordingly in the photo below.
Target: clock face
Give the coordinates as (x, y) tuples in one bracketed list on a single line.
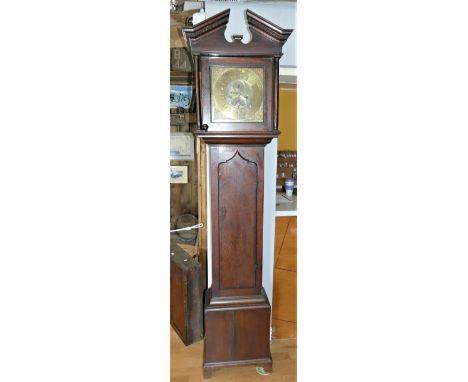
[(236, 94)]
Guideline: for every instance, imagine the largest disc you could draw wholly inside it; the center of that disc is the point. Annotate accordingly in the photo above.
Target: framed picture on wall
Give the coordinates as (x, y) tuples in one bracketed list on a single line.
[(182, 146), (179, 174), (181, 91), (181, 96)]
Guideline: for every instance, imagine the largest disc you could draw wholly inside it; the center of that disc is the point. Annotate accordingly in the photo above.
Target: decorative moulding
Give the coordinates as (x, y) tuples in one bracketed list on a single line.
[(214, 42)]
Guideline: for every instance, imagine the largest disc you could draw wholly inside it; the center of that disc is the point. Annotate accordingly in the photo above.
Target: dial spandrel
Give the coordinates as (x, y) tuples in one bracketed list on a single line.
[(236, 94)]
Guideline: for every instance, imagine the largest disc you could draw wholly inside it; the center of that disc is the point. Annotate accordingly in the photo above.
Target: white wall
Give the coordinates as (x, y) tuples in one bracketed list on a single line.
[(269, 217)]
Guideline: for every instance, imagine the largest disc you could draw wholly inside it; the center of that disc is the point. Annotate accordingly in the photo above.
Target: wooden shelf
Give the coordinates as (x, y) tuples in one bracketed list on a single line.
[(182, 78)]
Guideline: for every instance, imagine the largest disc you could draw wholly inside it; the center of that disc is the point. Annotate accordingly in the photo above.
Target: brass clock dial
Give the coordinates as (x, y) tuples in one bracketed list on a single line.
[(236, 94)]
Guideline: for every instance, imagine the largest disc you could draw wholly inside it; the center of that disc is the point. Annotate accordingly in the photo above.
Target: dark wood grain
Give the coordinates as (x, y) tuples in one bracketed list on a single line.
[(237, 332), (202, 246), (219, 338), (237, 219), (208, 37), (208, 46), (252, 333), (237, 310), (228, 138), (186, 303)]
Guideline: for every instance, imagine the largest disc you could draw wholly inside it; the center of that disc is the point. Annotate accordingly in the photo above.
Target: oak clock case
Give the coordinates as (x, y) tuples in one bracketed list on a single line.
[(237, 99)]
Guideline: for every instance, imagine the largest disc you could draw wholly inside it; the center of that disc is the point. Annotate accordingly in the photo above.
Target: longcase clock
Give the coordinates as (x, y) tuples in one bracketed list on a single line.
[(237, 115)]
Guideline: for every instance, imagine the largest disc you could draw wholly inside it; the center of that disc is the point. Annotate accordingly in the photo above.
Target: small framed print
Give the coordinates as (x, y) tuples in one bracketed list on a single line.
[(179, 174), (182, 146), (181, 96)]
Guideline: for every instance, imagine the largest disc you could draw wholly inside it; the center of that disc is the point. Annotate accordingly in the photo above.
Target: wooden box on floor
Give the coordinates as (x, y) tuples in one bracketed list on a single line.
[(186, 296)]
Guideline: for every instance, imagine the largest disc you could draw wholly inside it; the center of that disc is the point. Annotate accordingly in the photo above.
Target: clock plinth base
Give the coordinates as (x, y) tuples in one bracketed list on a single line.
[(237, 332)]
